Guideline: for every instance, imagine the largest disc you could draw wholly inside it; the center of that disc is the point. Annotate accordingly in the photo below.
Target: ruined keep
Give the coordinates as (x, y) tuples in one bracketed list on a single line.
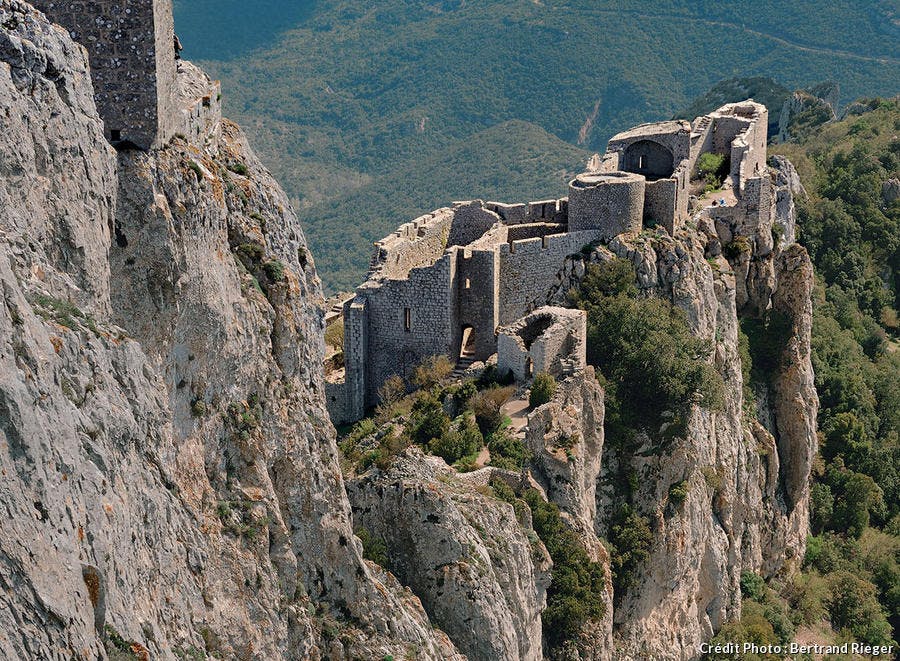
[(131, 46), (445, 283)]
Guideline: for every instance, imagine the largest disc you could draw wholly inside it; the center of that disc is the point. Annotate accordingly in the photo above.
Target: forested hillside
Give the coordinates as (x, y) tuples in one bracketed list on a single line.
[(339, 95)]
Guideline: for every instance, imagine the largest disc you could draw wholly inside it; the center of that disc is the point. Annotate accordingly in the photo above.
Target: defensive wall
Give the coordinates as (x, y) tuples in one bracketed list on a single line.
[(462, 273)]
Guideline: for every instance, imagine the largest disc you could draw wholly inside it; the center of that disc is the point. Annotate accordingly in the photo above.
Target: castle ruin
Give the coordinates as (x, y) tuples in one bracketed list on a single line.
[(135, 71), (445, 283)]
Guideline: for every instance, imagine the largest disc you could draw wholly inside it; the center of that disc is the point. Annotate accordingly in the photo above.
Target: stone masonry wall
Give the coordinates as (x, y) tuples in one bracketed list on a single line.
[(391, 348), (415, 244), (131, 48), (563, 340), (528, 270), (478, 281)]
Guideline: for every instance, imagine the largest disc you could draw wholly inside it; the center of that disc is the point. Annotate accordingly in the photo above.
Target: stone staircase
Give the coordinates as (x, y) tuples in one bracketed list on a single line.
[(462, 365)]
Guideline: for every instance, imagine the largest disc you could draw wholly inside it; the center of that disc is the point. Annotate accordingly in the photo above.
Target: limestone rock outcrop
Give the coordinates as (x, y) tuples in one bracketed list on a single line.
[(481, 574), (169, 473), (744, 483)]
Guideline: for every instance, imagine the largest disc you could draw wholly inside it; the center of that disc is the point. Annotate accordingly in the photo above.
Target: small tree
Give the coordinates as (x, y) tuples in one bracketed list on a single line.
[(542, 390), (486, 406), (391, 391), (432, 371)]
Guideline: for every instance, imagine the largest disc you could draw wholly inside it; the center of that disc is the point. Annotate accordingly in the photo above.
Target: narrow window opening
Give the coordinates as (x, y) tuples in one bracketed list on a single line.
[(468, 284), (641, 162), (407, 320), (115, 135)]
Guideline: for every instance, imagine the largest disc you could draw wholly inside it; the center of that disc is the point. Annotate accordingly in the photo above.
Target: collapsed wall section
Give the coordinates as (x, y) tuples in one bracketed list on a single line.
[(549, 340)]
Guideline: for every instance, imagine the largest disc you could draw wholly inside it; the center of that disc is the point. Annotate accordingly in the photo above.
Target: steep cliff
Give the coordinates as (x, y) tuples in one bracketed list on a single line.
[(169, 473), (728, 492), (170, 478)]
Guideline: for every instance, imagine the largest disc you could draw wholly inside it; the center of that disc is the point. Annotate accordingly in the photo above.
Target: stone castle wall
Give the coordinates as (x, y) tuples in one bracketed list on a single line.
[(414, 244), (478, 283), (473, 268), (528, 270), (131, 48), (611, 202), (424, 300)]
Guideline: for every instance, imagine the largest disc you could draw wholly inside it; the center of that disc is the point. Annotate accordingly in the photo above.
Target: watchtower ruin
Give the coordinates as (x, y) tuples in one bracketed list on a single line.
[(131, 46)]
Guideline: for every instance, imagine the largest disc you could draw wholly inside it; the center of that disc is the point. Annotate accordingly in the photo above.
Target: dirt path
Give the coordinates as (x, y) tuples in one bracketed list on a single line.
[(517, 410), (735, 27)]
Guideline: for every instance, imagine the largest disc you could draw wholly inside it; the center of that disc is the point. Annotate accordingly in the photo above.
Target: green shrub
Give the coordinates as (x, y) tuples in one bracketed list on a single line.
[(432, 371), (542, 390), (238, 168), (486, 406), (752, 586), (459, 442), (712, 168), (740, 246), (678, 493), (428, 419), (198, 408), (250, 254), (507, 451), (374, 548), (274, 270), (630, 538), (645, 350)]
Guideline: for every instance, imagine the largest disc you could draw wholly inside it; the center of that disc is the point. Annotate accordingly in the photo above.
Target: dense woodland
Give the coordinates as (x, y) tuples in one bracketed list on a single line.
[(371, 113)]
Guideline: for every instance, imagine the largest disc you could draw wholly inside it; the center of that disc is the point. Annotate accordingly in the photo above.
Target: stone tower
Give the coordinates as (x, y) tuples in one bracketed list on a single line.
[(132, 54)]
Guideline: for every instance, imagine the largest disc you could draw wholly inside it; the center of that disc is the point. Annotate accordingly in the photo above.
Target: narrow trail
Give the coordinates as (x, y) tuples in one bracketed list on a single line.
[(878, 59)]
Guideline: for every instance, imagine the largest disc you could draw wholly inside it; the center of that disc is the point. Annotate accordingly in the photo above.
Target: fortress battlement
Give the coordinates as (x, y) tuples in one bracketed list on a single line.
[(448, 282)]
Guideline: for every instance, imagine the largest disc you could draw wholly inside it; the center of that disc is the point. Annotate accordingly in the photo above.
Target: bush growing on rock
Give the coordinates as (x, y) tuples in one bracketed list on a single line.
[(542, 390), (577, 588), (630, 537), (644, 349)]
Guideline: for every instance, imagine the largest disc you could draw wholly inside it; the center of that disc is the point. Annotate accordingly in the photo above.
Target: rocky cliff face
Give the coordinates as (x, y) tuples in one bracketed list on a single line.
[(482, 575), (169, 473), (746, 483), (170, 478)]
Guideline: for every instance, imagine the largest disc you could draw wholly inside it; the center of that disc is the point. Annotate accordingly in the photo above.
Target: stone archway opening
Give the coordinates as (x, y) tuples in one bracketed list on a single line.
[(649, 158), (467, 345)]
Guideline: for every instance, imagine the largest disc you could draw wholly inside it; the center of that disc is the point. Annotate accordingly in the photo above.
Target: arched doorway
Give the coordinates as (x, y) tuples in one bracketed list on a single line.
[(467, 345), (651, 159)]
